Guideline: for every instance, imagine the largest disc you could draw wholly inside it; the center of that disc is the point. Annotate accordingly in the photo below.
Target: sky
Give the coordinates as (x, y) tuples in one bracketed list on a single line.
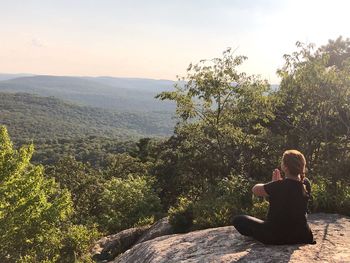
[(159, 38)]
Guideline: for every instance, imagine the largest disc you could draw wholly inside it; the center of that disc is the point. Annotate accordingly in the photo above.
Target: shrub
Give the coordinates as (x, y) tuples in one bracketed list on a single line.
[(331, 198), (259, 208), (77, 241), (215, 207), (229, 197), (127, 203), (181, 215)]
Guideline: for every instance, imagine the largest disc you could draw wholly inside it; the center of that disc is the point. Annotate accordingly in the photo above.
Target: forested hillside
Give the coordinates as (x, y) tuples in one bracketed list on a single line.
[(46, 118), (135, 95)]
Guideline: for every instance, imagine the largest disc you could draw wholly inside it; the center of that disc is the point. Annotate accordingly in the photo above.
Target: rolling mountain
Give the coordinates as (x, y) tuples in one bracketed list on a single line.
[(13, 76), (122, 94), (30, 117), (143, 84)]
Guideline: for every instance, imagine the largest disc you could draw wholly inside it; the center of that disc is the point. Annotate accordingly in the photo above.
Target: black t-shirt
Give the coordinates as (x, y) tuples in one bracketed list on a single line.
[(287, 212)]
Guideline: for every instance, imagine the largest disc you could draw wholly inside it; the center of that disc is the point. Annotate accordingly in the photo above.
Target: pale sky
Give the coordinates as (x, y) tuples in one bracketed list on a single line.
[(159, 38)]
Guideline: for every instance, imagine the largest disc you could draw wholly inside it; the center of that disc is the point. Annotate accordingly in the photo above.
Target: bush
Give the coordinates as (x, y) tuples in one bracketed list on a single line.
[(77, 241), (83, 182), (128, 203), (215, 207), (330, 198), (181, 215), (231, 196), (259, 208)]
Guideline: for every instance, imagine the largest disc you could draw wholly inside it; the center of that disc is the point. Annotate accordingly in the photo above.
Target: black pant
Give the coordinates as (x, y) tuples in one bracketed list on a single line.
[(254, 227), (265, 233)]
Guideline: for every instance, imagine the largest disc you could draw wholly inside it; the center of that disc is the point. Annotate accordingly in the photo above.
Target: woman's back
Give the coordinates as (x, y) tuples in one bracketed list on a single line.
[(287, 212)]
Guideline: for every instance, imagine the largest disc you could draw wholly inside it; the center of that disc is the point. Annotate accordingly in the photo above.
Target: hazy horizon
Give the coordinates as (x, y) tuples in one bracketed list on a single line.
[(28, 74), (158, 39)]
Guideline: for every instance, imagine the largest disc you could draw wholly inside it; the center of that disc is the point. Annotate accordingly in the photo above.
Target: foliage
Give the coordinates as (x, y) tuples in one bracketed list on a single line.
[(127, 203), (259, 208), (123, 165), (77, 241), (234, 123), (314, 113), (30, 117), (35, 213), (222, 129), (92, 149), (32, 209), (181, 215), (325, 200), (85, 185), (214, 207)]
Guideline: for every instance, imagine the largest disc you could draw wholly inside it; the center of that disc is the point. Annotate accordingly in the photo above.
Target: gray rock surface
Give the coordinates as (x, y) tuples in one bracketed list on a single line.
[(161, 228), (225, 244), (107, 248)]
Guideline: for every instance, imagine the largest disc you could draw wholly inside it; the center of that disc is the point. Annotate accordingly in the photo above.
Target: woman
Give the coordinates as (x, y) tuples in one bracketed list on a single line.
[(286, 219)]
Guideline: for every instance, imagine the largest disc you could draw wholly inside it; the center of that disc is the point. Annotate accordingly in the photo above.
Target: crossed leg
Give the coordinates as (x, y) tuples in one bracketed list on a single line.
[(253, 227)]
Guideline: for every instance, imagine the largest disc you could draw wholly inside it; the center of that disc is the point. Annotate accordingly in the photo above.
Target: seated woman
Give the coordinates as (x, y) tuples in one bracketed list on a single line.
[(286, 219)]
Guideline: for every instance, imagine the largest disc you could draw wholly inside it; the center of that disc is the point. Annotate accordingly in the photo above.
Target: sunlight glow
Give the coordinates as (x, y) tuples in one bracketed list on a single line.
[(158, 39)]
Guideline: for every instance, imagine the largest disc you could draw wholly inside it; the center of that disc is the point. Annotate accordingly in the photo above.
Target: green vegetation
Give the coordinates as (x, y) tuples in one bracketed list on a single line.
[(83, 182), (30, 117), (35, 212), (232, 130), (121, 94), (214, 207), (314, 116), (223, 128), (58, 128), (94, 150), (127, 203)]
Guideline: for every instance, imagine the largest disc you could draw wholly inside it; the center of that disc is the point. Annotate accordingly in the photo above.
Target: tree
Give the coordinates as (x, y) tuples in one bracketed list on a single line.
[(122, 165), (127, 203), (35, 214), (314, 116), (223, 115), (33, 209), (338, 52), (85, 185), (314, 113)]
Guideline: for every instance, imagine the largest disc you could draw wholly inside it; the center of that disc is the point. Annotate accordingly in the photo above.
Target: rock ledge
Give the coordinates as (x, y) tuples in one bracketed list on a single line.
[(225, 244)]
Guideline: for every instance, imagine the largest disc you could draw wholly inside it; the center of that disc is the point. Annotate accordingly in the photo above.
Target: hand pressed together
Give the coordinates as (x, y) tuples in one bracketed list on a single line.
[(276, 175)]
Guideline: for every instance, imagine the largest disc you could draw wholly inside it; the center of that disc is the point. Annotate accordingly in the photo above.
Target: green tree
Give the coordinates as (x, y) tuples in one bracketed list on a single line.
[(33, 209), (122, 165), (314, 113), (223, 117), (128, 202), (314, 116), (85, 185), (215, 207)]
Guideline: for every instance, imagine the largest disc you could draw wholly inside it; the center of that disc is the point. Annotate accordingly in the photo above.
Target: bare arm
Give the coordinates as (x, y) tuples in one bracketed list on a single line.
[(259, 190)]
